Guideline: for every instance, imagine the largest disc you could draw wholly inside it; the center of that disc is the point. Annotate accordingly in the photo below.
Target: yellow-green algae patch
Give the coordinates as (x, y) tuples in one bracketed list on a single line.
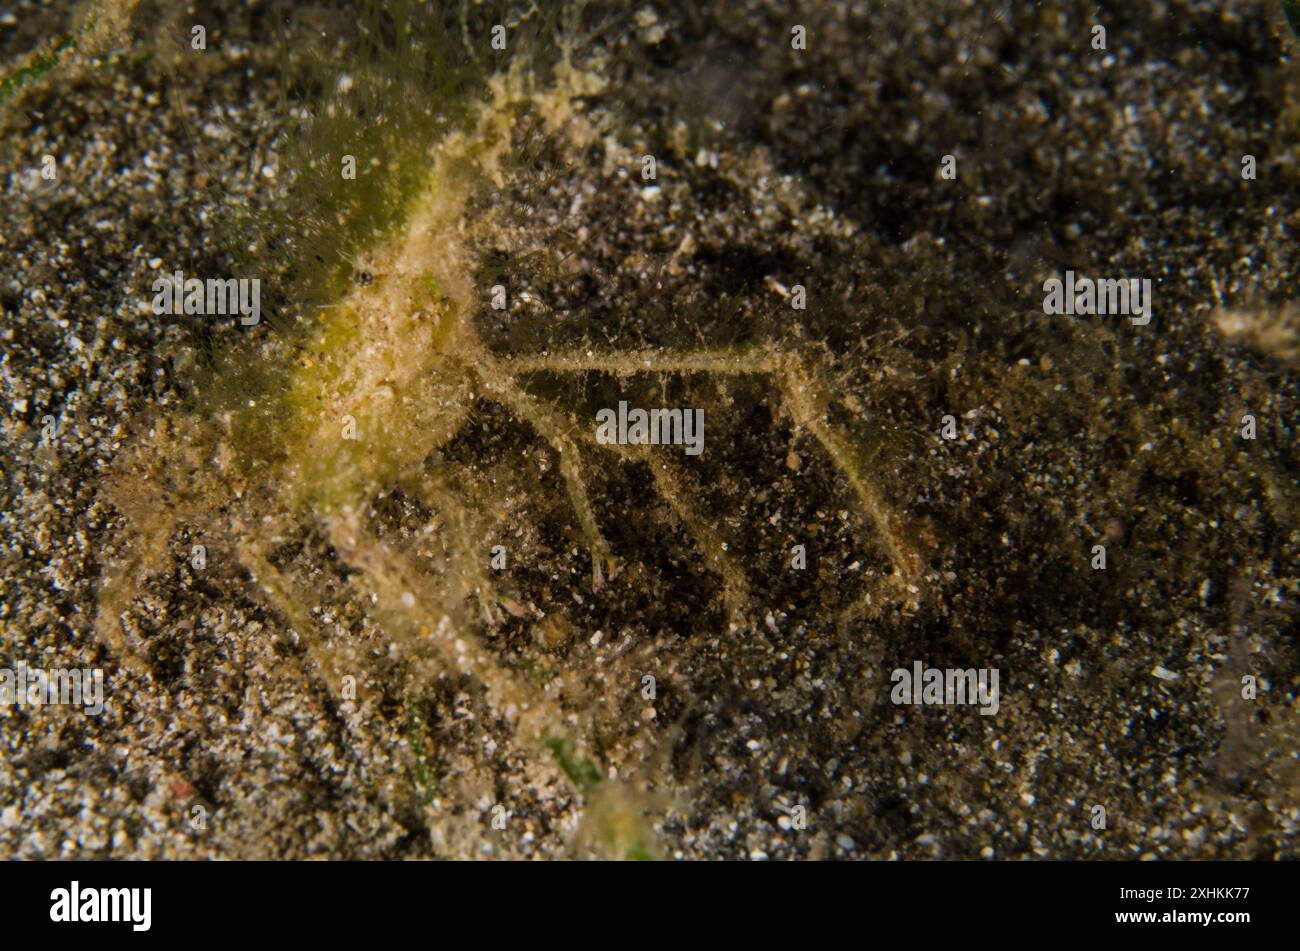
[(387, 372)]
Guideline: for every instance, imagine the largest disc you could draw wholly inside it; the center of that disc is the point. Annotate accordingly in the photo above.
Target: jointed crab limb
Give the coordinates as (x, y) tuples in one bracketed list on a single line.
[(415, 615), (735, 590), (289, 599), (804, 397), (554, 430), (462, 543), (735, 361), (289, 602), (123, 585)]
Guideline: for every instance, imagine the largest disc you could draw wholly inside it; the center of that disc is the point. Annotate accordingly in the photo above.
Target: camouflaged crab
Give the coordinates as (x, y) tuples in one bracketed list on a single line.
[(381, 380)]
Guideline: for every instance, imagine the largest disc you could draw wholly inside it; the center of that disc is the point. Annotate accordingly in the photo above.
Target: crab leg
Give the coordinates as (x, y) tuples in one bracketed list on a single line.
[(554, 430), (803, 395)]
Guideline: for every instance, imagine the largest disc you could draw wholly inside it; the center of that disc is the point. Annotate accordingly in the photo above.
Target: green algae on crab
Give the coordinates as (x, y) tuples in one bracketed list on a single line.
[(386, 373)]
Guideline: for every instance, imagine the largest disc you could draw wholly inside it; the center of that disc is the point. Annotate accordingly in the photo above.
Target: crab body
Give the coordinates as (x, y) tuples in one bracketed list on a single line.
[(385, 377)]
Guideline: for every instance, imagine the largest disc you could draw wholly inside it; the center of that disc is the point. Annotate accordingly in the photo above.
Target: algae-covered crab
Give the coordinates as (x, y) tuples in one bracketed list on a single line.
[(358, 401)]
